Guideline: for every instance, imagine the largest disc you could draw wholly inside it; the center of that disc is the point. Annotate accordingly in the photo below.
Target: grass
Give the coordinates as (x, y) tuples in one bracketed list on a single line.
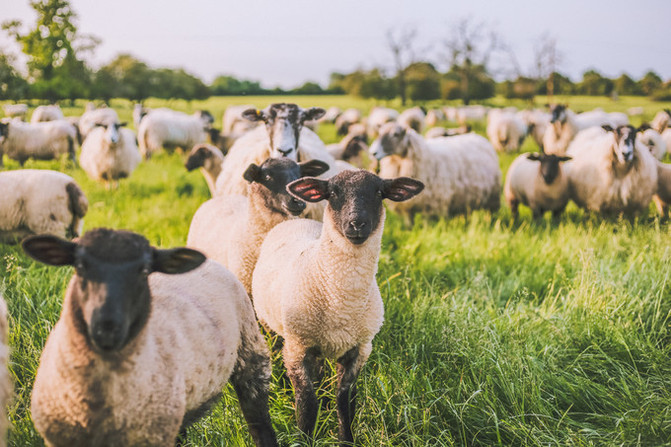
[(526, 333)]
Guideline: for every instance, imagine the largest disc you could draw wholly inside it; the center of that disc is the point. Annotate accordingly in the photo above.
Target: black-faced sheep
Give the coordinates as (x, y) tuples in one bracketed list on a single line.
[(210, 161), (314, 285), (92, 118), (346, 119), (561, 131), (352, 147), (146, 341), (378, 117), (413, 118)]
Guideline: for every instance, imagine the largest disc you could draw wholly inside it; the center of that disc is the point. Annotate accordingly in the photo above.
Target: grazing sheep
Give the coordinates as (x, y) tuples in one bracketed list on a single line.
[(506, 131), (40, 201), (91, 118), (230, 229), (40, 141), (210, 160), (165, 128), (433, 117), (46, 113), (612, 172), (15, 110), (437, 132), (5, 377), (461, 173), (346, 119), (109, 153), (377, 117), (661, 121), (351, 147), (653, 141), (561, 131), (413, 118), (146, 341), (538, 181), (314, 285)]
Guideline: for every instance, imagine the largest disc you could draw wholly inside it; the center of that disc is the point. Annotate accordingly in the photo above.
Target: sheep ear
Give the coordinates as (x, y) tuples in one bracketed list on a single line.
[(254, 115), (176, 260), (313, 168), (643, 127), (123, 124), (252, 173), (564, 158), (534, 156), (50, 249), (309, 189), (313, 113), (401, 189), (607, 128)]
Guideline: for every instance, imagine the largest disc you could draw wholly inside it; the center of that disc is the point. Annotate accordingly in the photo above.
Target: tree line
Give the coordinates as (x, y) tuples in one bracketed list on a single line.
[(56, 70)]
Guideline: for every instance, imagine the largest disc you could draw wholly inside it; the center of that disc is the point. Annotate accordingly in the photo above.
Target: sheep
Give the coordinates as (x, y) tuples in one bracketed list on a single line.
[(652, 140), (471, 113), (437, 132), (234, 123), (15, 110), (109, 153), (210, 160), (597, 117), (505, 130), (413, 118), (5, 377), (461, 173), (139, 112), (346, 119), (331, 115), (377, 117), (661, 121), (91, 118), (40, 201), (433, 117), (612, 172), (170, 129), (46, 113), (351, 147), (562, 129), (314, 285), (537, 121), (635, 111), (146, 341), (662, 197), (41, 141), (230, 229), (538, 181)]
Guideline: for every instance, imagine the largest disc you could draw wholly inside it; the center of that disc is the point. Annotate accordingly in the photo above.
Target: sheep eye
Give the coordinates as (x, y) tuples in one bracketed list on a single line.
[(268, 177), (378, 193)]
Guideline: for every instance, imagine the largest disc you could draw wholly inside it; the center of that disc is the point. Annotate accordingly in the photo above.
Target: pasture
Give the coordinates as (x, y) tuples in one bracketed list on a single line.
[(497, 332)]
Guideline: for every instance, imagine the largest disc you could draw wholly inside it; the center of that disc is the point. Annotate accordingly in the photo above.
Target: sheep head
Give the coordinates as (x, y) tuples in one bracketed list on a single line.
[(625, 142), (549, 165), (391, 141)]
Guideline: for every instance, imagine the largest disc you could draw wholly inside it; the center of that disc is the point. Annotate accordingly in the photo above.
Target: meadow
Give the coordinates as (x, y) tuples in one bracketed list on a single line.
[(497, 332)]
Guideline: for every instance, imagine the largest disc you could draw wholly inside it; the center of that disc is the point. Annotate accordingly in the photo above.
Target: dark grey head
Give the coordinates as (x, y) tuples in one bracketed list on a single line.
[(355, 199), (4, 130), (111, 297), (200, 155), (275, 174), (111, 131), (390, 141), (549, 165), (354, 147), (558, 112), (206, 117), (284, 123), (625, 142)]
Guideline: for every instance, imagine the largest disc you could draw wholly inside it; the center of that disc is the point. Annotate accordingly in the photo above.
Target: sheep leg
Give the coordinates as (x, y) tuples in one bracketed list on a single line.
[(537, 213), (556, 214), (349, 366), (514, 208), (72, 152), (662, 207), (300, 366)]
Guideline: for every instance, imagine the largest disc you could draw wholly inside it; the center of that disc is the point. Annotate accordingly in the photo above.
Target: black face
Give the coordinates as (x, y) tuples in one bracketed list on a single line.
[(4, 129), (355, 146), (549, 165), (206, 116), (558, 112), (197, 159), (111, 297)]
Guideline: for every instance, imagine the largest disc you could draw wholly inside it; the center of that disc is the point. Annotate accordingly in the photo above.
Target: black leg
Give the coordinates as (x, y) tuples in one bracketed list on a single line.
[(300, 367), (181, 438), (349, 366)]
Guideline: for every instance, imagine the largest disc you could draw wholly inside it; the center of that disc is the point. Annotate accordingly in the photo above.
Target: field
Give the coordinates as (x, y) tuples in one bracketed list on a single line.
[(497, 332)]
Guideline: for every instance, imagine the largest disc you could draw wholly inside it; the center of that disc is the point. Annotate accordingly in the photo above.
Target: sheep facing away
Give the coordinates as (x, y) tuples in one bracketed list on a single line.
[(40, 201), (109, 153), (538, 181), (46, 113), (506, 131), (230, 229), (146, 340), (209, 159), (169, 129), (314, 285), (611, 172), (461, 173), (41, 141)]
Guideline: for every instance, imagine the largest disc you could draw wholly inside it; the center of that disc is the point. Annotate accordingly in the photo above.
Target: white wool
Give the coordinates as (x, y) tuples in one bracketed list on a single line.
[(412, 118), (346, 119), (89, 119), (170, 129), (331, 115), (666, 137), (598, 117), (41, 140), (661, 121), (662, 197), (106, 161), (379, 116), (558, 136), (505, 130), (654, 142), (15, 110), (46, 113), (233, 123), (36, 201), (433, 117), (537, 121)]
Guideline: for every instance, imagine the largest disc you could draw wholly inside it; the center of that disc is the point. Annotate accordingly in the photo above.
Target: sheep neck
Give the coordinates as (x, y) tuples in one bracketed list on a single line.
[(260, 218), (211, 175)]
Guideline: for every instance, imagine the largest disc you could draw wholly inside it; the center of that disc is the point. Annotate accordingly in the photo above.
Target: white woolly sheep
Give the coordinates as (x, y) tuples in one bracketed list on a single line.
[(611, 172), (538, 181), (90, 119), (314, 285), (230, 229), (537, 121), (40, 201), (165, 128), (561, 131), (471, 113), (662, 197), (506, 131), (15, 110), (346, 119), (661, 121), (437, 132), (331, 115), (145, 343), (652, 139), (635, 111), (46, 113), (597, 117), (461, 173), (109, 153), (139, 112), (413, 118), (41, 141), (234, 123), (210, 161), (377, 117), (5, 377), (351, 147), (433, 117)]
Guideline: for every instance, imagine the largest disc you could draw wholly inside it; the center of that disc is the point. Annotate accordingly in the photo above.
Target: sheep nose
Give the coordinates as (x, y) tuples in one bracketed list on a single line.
[(357, 225), (285, 152), (107, 334)]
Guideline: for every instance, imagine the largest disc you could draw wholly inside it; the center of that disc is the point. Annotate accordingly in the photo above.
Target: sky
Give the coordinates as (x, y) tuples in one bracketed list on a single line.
[(285, 43)]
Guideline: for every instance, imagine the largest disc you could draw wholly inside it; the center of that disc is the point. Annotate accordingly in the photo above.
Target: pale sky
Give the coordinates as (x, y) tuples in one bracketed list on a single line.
[(289, 42)]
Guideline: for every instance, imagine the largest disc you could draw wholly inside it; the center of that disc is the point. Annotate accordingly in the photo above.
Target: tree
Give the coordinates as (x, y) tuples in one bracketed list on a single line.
[(546, 59), (593, 83), (124, 77), (12, 85), (649, 83), (401, 43), (308, 88), (422, 82), (228, 85), (624, 85)]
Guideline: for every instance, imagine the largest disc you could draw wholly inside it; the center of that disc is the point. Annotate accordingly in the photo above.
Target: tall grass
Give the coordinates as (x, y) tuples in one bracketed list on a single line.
[(497, 332)]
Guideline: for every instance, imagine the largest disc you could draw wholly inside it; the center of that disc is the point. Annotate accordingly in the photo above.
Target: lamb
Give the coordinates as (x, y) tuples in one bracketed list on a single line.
[(562, 129), (538, 181), (40, 201), (379, 116), (5, 377), (46, 113), (433, 117), (146, 341), (109, 153), (413, 118), (170, 129), (505, 131), (210, 160), (41, 141), (91, 118), (437, 132), (314, 285), (651, 139), (612, 172), (15, 110), (346, 119), (461, 173), (230, 229), (351, 147)]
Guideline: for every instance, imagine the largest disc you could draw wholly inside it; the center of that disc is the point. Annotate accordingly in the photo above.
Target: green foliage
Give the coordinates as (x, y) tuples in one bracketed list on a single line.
[(422, 82), (649, 83), (624, 85), (12, 85), (594, 84), (229, 85), (522, 88)]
